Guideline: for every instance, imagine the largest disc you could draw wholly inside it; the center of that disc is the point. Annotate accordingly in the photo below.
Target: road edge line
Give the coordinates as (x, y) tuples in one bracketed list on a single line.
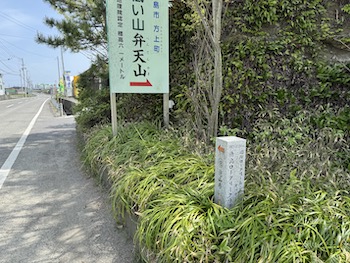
[(6, 167)]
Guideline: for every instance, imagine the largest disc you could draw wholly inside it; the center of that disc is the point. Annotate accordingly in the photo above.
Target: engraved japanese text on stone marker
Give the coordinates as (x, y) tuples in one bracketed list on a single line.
[(229, 170)]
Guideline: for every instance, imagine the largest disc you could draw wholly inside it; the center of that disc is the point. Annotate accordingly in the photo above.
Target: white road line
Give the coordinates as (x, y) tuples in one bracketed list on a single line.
[(6, 167), (9, 106)]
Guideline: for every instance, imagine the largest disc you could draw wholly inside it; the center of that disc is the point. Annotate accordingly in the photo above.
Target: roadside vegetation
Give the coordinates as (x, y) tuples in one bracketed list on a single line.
[(296, 205), (280, 91)]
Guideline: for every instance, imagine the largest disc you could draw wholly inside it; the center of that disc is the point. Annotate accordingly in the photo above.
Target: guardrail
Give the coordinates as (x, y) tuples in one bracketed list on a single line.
[(64, 105)]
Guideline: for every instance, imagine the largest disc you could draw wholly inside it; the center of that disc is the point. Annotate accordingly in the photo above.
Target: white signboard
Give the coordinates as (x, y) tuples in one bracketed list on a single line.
[(69, 84), (138, 46)]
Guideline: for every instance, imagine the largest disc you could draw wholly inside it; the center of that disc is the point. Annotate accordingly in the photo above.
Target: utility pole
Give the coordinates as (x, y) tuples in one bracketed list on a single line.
[(21, 77), (64, 83), (24, 78), (58, 68), (64, 80), (28, 80), (59, 77)]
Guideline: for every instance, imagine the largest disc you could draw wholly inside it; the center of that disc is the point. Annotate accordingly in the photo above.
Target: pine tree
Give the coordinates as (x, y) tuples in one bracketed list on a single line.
[(82, 27)]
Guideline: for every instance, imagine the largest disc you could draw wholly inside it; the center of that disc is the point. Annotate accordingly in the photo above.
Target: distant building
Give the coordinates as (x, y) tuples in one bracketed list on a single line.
[(2, 86)]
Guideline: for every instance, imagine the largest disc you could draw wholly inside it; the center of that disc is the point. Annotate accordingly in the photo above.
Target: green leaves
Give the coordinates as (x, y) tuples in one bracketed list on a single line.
[(82, 27), (296, 207)]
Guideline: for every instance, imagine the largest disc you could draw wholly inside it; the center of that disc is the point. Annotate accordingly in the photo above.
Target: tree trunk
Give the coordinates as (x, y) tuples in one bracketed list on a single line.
[(217, 85), (212, 88)]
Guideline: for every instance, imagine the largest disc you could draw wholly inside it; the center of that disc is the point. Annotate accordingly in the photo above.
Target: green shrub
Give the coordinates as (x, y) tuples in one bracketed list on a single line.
[(295, 209), (93, 108)]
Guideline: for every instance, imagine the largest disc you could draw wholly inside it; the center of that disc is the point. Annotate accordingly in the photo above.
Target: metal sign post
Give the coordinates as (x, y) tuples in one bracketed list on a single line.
[(166, 110), (114, 113)]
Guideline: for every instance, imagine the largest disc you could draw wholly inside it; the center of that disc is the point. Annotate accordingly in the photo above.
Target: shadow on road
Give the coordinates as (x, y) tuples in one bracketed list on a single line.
[(51, 212)]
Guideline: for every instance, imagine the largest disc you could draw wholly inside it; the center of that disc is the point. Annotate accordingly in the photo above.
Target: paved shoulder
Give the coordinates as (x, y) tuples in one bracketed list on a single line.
[(49, 210)]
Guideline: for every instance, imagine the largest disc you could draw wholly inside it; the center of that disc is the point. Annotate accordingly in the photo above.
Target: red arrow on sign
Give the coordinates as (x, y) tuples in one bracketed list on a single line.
[(141, 84)]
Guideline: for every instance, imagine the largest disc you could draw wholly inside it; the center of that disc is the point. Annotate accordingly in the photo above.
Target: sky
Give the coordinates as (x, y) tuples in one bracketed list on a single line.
[(20, 20)]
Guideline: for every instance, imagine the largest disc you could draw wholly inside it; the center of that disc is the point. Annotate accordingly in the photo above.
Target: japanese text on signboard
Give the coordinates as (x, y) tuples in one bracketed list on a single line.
[(140, 57)]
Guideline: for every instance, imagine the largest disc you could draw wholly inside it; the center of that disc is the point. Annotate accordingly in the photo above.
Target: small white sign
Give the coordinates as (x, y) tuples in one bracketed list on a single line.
[(229, 170)]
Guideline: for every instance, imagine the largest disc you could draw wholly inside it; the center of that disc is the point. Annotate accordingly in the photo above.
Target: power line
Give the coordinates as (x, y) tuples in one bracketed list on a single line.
[(7, 66), (21, 37), (24, 50), (8, 73), (17, 22), (4, 48)]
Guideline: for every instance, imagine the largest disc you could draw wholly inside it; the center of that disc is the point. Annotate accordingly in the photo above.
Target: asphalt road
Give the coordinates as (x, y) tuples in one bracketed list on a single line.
[(50, 211)]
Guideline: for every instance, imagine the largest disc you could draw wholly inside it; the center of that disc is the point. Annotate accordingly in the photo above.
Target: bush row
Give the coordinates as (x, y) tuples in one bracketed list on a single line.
[(296, 203)]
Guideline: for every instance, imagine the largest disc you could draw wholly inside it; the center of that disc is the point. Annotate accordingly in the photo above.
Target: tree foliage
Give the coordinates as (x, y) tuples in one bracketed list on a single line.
[(273, 57), (82, 27)]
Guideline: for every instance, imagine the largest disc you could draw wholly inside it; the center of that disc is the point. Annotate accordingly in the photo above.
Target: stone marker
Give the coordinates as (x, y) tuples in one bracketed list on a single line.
[(229, 170)]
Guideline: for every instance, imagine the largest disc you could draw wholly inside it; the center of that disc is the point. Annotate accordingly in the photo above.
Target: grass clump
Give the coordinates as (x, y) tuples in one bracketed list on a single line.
[(296, 206)]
